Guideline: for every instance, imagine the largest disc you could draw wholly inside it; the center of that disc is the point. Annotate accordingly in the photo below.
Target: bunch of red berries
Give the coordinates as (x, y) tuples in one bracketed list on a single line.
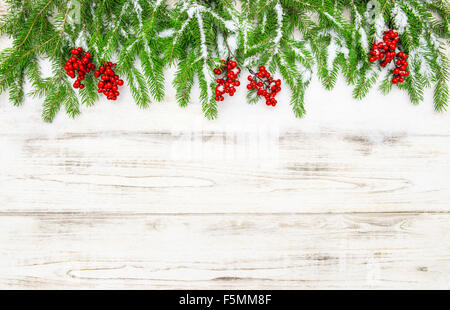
[(401, 68), (110, 82), (79, 63), (228, 82), (265, 84), (386, 51)]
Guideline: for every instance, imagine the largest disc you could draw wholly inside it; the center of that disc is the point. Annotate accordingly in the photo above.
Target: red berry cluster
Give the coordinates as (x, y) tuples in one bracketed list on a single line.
[(110, 81), (228, 82), (79, 63), (265, 84), (385, 51), (400, 71)]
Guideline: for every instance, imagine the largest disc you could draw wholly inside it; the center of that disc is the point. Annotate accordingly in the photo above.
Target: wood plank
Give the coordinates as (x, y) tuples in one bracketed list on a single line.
[(216, 172), (124, 250)]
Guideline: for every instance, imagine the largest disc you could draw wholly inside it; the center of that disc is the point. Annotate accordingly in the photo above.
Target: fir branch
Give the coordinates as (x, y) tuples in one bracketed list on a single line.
[(299, 38), (28, 33)]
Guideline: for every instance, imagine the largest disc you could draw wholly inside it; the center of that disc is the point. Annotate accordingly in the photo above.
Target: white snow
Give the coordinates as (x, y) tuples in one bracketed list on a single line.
[(363, 39), (435, 41), (233, 43), (418, 56), (279, 11), (334, 49), (222, 48), (400, 19), (204, 52), (264, 22), (230, 25), (138, 10), (276, 41), (249, 61), (380, 27), (245, 30), (191, 11), (82, 40), (167, 33), (203, 47), (124, 33)]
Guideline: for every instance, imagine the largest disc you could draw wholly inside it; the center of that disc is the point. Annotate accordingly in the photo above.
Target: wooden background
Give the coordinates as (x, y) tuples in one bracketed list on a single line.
[(354, 195)]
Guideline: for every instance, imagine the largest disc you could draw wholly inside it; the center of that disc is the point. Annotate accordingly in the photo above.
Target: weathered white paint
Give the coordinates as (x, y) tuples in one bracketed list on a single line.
[(354, 195)]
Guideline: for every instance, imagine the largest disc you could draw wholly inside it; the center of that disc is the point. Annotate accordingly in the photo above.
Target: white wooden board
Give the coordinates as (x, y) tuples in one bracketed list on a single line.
[(354, 195)]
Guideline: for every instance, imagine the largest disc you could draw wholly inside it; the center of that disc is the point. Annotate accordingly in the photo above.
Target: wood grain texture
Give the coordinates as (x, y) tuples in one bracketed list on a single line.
[(203, 209), (123, 250), (354, 195), (84, 171)]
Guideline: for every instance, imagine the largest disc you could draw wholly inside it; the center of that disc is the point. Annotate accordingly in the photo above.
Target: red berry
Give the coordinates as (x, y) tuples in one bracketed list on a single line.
[(262, 68)]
